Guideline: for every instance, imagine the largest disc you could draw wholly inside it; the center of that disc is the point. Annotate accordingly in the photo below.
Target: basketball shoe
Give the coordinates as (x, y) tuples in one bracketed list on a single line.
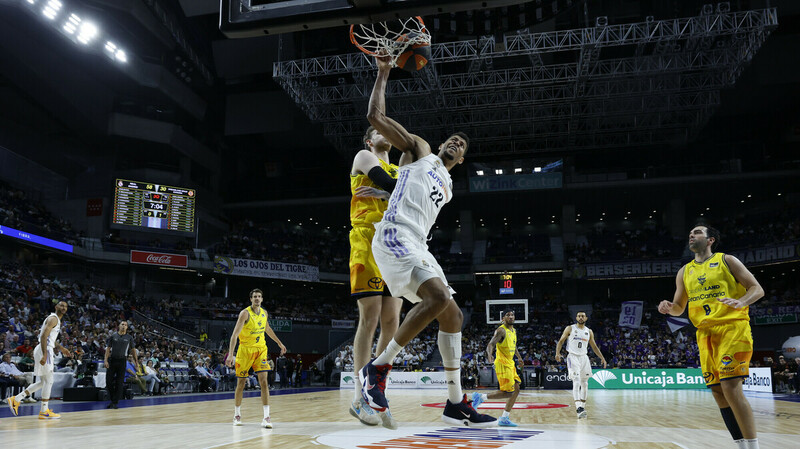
[(49, 414), (266, 423), (237, 420), (477, 399), (13, 404), (505, 421), (462, 414), (364, 413), (581, 412), (373, 384)]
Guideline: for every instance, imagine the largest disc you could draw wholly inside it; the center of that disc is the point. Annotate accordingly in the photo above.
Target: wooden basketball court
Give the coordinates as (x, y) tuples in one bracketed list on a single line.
[(319, 418)]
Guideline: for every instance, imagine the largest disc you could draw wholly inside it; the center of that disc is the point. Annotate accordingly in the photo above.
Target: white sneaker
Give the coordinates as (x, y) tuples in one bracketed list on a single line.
[(237, 420), (388, 420), (364, 413), (266, 423), (29, 400)]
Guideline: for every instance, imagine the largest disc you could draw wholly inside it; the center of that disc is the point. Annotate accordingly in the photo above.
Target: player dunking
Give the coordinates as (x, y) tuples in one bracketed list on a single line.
[(719, 290), (408, 268), (578, 365), (252, 353), (44, 364), (505, 340), (372, 179)]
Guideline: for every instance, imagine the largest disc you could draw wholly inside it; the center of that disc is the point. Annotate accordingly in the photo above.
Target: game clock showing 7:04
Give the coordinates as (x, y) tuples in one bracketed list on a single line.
[(154, 206), (506, 284)]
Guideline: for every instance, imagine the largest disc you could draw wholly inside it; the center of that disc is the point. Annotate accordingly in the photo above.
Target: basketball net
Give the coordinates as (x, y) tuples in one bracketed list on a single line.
[(390, 38)]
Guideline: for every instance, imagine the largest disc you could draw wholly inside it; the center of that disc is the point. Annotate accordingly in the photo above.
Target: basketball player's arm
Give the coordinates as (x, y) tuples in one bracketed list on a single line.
[(366, 163), (394, 132), (108, 354), (564, 336), (745, 277), (519, 359), (498, 336), (275, 338), (595, 348), (243, 317), (678, 304), (63, 350)]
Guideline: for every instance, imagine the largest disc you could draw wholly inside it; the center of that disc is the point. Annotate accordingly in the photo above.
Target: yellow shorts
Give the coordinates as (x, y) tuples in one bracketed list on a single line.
[(365, 277), (506, 376), (251, 357), (725, 351)]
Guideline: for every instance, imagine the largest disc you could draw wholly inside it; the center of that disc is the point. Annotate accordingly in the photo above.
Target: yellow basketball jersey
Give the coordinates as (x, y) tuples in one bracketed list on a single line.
[(368, 211), (507, 347), (252, 334), (705, 283)]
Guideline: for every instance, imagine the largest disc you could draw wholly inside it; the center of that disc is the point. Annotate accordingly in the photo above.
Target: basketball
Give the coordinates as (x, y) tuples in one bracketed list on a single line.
[(415, 56)]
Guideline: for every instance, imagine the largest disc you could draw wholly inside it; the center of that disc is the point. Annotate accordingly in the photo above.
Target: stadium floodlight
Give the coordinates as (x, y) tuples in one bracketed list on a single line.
[(72, 23), (30, 2), (87, 32), (498, 171), (537, 169), (518, 170), (479, 172), (121, 56), (51, 9)]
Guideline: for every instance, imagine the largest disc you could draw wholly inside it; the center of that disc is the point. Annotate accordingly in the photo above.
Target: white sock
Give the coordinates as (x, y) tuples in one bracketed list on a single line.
[(584, 390), (237, 410), (357, 387), (388, 354), (505, 414), (45, 406), (266, 411), (741, 444), (454, 392), (576, 390), (578, 404), (751, 444), (21, 396)]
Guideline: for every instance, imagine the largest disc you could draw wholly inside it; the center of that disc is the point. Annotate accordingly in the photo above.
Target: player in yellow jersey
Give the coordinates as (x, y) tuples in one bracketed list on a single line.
[(372, 179), (505, 341), (719, 289), (252, 353)]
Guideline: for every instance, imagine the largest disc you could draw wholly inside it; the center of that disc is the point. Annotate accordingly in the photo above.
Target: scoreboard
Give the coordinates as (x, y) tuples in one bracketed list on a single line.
[(153, 206)]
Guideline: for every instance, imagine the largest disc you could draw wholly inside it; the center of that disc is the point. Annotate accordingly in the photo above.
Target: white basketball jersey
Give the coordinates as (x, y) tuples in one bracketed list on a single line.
[(51, 339), (423, 187), (578, 340)]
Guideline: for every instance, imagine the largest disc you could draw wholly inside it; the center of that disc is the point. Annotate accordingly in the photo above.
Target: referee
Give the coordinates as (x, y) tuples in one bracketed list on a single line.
[(118, 346)]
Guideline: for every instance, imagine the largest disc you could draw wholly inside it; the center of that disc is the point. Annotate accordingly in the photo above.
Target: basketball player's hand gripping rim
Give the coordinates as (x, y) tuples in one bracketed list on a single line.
[(730, 302), (383, 60)]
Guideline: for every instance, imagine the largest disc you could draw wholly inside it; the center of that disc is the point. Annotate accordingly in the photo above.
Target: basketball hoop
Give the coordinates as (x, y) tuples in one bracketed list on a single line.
[(391, 38)]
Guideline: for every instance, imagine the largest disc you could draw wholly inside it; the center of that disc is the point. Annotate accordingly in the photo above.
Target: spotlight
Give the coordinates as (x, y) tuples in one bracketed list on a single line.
[(498, 171), (517, 170), (479, 172), (537, 169), (601, 21), (87, 32), (51, 9), (121, 56), (72, 24)]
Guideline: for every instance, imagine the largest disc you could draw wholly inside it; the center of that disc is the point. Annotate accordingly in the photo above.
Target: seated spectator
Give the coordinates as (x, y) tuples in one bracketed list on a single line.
[(25, 348), (150, 376), (11, 376), (132, 376)]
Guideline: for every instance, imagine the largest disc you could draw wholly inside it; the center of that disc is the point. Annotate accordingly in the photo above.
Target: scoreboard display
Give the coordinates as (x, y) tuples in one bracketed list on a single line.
[(151, 206)]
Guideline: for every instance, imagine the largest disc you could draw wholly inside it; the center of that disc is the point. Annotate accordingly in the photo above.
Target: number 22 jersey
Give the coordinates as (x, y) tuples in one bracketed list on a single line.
[(423, 187)]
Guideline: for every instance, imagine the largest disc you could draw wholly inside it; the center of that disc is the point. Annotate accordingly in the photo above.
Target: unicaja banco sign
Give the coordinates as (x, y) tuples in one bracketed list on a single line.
[(652, 379)]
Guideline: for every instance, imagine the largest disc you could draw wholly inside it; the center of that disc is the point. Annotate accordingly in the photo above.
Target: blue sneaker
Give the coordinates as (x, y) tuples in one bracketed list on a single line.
[(364, 413), (477, 399), (373, 384), (462, 414), (506, 422)]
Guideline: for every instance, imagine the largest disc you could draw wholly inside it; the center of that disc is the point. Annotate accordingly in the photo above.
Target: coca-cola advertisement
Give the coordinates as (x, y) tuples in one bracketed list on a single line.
[(159, 259)]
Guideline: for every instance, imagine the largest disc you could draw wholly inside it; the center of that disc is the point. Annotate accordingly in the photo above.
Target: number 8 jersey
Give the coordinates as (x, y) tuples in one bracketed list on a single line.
[(423, 187), (705, 283)]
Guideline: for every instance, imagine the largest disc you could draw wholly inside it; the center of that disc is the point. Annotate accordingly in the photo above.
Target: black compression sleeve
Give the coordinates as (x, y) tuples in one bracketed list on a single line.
[(382, 179)]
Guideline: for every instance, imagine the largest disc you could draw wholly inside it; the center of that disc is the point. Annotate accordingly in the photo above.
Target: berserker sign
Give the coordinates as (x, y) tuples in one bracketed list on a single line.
[(159, 259)]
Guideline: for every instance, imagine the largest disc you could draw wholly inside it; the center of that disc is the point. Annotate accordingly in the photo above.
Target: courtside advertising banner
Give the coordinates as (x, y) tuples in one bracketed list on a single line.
[(266, 269), (647, 379), (760, 379), (401, 379), (159, 259)]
